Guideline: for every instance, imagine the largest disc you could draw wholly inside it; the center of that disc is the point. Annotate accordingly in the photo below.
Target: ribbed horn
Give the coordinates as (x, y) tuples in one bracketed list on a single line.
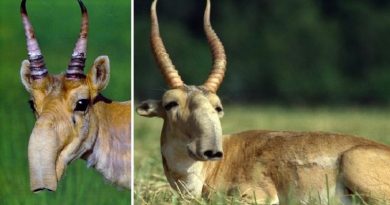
[(37, 63), (161, 56), (219, 57), (77, 63)]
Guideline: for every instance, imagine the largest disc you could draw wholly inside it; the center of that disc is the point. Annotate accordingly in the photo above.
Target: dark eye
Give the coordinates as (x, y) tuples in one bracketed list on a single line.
[(218, 109), (82, 105), (170, 105), (32, 106)]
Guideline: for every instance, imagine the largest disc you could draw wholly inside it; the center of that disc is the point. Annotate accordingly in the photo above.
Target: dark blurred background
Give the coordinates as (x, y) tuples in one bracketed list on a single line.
[(57, 26), (298, 52)]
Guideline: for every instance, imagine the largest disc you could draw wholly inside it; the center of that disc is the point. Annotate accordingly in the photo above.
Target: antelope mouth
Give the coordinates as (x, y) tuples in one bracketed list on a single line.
[(195, 156), (203, 154)]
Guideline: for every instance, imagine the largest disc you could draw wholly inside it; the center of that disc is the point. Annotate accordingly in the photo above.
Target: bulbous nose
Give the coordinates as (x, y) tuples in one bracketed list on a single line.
[(213, 154)]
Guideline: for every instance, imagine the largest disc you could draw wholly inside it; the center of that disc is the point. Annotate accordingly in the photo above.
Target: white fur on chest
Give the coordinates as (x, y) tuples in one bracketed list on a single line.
[(178, 161)]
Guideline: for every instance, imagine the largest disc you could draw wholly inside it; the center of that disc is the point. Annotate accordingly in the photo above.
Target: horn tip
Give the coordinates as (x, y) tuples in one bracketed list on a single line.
[(154, 3), (82, 6), (23, 7)]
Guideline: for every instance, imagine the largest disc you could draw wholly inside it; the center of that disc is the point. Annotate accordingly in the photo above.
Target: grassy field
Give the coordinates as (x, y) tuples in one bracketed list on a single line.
[(151, 186), (57, 25)]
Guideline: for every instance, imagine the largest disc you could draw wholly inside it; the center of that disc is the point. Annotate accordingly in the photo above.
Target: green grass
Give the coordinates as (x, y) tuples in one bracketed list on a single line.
[(151, 186)]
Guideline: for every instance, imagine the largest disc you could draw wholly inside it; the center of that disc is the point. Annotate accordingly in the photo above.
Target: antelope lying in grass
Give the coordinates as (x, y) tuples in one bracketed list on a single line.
[(267, 166), (73, 119)]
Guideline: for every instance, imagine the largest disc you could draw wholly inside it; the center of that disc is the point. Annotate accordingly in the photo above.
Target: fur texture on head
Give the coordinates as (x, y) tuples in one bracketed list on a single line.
[(72, 119)]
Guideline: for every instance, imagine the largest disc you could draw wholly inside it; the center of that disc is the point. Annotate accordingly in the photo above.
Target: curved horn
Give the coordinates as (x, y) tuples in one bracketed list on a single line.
[(165, 64), (37, 63), (219, 57), (77, 63)]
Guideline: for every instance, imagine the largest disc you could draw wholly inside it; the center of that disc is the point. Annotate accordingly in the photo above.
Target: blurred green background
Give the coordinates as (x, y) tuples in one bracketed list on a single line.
[(299, 52), (57, 25), (303, 65)]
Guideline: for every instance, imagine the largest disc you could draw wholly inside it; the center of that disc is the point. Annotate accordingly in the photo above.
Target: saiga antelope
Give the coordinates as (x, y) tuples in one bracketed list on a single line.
[(263, 165), (73, 119)]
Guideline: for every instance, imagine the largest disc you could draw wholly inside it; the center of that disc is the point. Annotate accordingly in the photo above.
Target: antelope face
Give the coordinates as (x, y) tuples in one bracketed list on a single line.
[(191, 113), (65, 116), (63, 106)]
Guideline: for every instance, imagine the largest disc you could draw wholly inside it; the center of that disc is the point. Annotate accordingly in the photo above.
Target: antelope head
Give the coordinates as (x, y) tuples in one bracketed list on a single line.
[(191, 114), (63, 106)]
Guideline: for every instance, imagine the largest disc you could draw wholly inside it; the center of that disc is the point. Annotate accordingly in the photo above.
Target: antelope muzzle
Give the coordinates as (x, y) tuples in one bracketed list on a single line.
[(42, 155)]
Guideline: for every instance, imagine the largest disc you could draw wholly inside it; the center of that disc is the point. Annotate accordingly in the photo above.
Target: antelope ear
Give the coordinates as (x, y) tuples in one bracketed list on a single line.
[(151, 108), (25, 75), (99, 75)]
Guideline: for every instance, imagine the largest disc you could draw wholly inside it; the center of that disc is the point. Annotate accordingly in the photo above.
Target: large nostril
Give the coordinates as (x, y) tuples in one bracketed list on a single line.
[(42, 189), (210, 154), (218, 155)]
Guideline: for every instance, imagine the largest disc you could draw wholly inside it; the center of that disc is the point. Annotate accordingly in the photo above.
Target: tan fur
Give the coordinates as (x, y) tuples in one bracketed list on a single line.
[(267, 166), (100, 134), (111, 152), (275, 163)]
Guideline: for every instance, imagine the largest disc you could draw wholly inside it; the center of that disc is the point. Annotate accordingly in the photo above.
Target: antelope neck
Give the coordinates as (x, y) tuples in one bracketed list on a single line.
[(183, 173), (110, 152)]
